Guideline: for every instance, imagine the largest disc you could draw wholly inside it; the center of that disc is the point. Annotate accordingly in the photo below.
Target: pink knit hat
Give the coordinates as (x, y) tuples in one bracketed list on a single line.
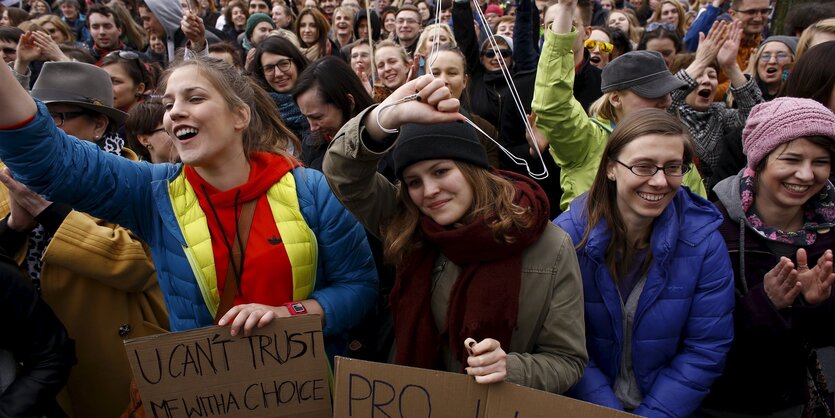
[(494, 9), (782, 120)]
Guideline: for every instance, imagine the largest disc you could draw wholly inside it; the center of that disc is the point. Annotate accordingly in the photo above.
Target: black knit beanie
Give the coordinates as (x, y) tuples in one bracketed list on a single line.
[(437, 141)]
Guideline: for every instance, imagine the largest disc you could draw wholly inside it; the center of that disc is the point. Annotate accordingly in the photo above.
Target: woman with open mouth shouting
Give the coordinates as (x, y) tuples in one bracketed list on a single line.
[(708, 121), (773, 63), (240, 232), (657, 279), (779, 218)]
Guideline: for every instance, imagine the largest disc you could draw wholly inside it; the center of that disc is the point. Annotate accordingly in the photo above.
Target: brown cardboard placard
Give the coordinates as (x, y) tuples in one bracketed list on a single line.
[(365, 390), (279, 371)]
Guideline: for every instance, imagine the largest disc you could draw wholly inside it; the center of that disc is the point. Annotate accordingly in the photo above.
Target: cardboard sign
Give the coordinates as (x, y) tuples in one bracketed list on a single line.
[(281, 370), (366, 390)]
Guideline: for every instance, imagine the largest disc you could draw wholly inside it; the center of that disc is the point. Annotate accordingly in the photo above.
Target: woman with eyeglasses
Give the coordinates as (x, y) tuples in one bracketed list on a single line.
[(773, 63), (97, 276), (657, 279), (277, 65), (779, 227)]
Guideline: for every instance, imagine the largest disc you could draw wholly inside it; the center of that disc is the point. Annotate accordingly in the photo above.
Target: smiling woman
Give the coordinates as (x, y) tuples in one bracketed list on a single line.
[(653, 264), (237, 163), (779, 215), (460, 235)]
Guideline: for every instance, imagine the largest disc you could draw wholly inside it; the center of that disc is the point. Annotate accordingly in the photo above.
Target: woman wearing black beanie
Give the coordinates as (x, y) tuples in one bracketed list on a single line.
[(472, 244)]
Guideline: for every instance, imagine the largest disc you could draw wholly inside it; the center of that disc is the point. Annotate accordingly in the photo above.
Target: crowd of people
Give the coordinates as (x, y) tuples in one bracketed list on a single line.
[(166, 166)]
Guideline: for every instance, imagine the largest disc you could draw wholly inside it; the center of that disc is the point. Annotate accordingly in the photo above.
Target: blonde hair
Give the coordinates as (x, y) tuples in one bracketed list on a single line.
[(822, 26), (423, 41), (603, 108)]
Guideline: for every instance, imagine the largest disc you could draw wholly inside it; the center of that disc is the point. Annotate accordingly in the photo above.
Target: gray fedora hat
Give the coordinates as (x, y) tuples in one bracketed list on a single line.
[(79, 84), (643, 72)]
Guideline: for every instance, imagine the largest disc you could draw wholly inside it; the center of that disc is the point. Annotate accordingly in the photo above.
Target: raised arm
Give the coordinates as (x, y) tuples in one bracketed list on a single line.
[(351, 162), (18, 107), (464, 31), (560, 117), (525, 54)]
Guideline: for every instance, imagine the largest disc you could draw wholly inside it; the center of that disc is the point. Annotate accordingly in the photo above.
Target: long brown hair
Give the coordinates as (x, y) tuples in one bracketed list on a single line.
[(601, 202), (493, 198), (266, 131)]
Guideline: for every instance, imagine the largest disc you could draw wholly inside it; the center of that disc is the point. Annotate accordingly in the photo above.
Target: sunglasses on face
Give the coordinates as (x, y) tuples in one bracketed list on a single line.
[(489, 53), (605, 47)]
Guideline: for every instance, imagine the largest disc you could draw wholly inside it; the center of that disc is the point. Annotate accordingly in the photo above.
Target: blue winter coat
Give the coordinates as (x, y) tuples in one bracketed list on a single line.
[(135, 195), (683, 325)]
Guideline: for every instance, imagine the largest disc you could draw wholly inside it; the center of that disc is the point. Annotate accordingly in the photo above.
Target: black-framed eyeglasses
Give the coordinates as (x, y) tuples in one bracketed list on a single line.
[(649, 170), (489, 53), (283, 65), (60, 117), (654, 26), (751, 12)]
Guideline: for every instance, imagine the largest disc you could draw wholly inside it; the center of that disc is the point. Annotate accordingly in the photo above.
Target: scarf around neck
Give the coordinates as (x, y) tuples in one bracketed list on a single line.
[(818, 213), (484, 301)]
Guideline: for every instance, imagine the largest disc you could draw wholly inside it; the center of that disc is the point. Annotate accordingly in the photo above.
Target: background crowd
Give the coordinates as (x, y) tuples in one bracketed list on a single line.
[(196, 162)]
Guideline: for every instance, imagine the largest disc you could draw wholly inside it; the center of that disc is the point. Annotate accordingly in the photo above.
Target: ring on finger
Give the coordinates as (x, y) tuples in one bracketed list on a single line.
[(803, 266)]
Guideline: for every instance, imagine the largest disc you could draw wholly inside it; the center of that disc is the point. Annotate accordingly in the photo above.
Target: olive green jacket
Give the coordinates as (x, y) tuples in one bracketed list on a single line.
[(547, 349)]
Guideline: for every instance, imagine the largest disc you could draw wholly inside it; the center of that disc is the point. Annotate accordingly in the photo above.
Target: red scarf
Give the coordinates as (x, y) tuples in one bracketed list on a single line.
[(484, 302), (267, 273)]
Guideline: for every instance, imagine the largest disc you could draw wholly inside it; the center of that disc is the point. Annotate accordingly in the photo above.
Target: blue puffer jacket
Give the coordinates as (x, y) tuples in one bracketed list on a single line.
[(135, 195), (683, 325)]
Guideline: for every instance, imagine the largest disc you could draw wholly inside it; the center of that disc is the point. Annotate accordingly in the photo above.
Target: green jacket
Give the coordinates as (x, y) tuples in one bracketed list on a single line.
[(577, 140)]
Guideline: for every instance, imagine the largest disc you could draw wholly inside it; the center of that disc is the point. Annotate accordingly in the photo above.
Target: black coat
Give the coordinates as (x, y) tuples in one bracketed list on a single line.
[(36, 338)]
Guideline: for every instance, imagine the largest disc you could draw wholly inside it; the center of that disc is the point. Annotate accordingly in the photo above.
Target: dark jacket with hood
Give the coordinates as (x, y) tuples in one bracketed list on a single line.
[(38, 340), (375, 25), (767, 364)]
